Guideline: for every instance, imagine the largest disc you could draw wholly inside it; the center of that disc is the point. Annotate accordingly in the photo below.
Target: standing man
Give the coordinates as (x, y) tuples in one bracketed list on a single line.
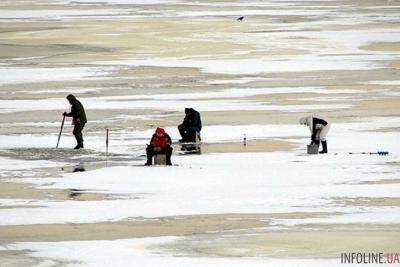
[(160, 143), (78, 119), (190, 126), (319, 128)]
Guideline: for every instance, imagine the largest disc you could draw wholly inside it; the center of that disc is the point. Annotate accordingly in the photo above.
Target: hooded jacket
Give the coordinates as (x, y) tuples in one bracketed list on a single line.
[(313, 123), (192, 119), (77, 111), (160, 139)]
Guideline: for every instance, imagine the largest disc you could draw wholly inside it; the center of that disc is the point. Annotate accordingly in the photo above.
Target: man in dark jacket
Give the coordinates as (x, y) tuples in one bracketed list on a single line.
[(78, 119), (190, 126), (160, 143)]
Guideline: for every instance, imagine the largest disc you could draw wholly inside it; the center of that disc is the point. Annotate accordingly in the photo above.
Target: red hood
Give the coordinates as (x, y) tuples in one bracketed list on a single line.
[(160, 131)]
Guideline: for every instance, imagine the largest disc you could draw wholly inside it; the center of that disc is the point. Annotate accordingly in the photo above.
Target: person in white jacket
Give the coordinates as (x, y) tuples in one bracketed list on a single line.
[(319, 128)]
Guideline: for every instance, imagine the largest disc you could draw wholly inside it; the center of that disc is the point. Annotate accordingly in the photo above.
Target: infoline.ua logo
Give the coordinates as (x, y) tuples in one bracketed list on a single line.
[(370, 258)]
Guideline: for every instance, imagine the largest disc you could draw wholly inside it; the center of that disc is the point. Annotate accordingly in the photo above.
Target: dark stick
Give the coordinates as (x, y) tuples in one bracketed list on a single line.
[(107, 131), (62, 126)]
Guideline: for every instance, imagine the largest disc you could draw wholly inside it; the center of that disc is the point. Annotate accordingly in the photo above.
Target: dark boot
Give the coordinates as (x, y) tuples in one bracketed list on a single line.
[(168, 154), (324, 147), (149, 155), (79, 144), (149, 161), (77, 141)]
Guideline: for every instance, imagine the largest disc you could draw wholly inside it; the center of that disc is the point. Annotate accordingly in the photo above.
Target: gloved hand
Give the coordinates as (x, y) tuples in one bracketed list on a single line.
[(65, 113)]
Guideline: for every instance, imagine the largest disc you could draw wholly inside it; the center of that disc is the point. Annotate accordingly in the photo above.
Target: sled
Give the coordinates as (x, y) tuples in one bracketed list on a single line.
[(191, 147)]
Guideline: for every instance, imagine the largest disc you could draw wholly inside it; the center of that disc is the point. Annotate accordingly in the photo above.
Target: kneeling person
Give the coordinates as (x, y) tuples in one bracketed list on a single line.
[(319, 129), (160, 144)]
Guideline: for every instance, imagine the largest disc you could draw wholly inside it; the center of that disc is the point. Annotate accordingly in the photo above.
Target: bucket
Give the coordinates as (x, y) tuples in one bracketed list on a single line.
[(160, 159), (312, 149)]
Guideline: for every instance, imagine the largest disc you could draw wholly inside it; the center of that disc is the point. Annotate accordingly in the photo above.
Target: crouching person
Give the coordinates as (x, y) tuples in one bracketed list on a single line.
[(319, 128), (160, 144), (190, 126)]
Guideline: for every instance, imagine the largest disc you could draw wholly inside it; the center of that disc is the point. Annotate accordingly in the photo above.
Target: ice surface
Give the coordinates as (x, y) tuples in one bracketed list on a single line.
[(121, 2), (203, 101), (14, 165), (255, 12), (13, 75), (393, 82), (214, 183), (236, 93), (326, 43), (123, 140), (259, 65), (58, 14), (143, 252), (208, 184)]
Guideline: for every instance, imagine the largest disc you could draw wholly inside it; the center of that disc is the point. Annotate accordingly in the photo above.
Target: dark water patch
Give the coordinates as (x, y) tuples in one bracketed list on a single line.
[(79, 168), (75, 193), (66, 155), (82, 167), (87, 195)]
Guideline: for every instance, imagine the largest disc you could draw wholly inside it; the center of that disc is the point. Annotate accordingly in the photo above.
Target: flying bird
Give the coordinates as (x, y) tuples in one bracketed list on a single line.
[(240, 19)]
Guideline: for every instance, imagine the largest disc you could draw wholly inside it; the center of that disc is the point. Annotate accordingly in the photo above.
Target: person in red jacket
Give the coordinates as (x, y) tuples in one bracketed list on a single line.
[(160, 144)]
